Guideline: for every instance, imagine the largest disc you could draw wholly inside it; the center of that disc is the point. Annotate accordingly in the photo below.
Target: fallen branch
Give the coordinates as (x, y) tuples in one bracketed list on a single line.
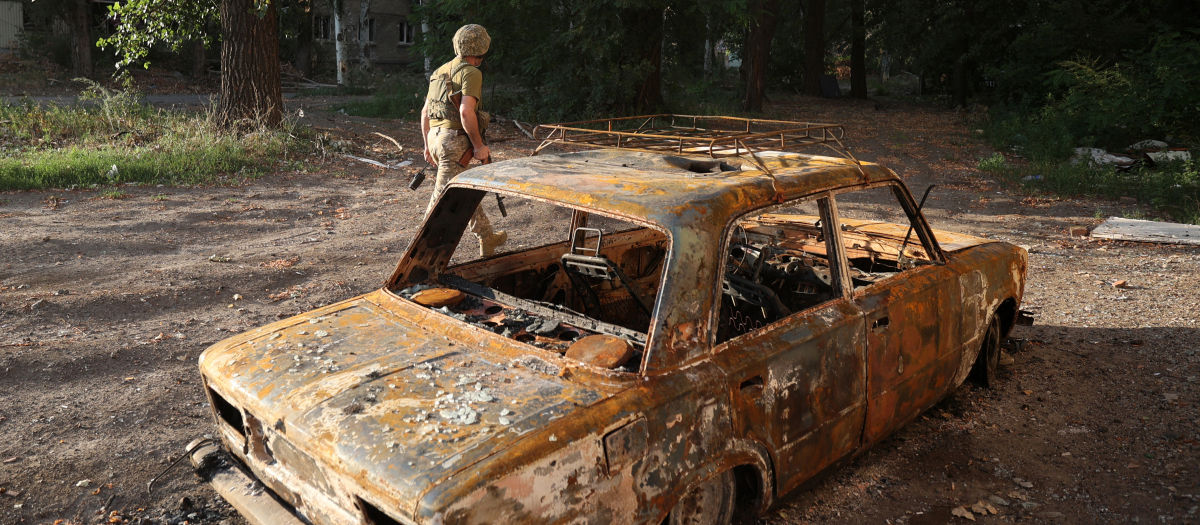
[(379, 164), (398, 146), (308, 80), (518, 125)]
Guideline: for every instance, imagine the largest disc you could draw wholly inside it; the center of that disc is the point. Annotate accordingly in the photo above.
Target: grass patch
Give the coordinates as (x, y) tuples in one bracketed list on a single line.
[(1172, 189), (1042, 144), (399, 97), (115, 194), (112, 138)]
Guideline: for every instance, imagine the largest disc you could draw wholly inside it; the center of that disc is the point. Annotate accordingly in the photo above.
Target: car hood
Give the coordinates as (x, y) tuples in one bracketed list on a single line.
[(375, 393), (949, 241)]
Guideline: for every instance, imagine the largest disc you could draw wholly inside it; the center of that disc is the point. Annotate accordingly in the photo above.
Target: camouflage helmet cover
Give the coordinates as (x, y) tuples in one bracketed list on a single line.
[(471, 40)]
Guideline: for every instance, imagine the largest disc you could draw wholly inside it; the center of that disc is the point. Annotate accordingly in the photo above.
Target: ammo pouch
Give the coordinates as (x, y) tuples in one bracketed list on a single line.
[(447, 97)]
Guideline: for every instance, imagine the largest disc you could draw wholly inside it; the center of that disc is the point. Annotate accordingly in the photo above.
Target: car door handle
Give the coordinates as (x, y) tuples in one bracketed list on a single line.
[(752, 387), (880, 324)]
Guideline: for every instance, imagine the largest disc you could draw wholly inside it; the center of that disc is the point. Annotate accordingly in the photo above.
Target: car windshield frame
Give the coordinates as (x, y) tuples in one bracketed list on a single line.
[(404, 267)]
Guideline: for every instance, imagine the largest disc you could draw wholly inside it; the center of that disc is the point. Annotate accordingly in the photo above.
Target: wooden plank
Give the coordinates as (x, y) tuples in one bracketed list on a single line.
[(1116, 228)]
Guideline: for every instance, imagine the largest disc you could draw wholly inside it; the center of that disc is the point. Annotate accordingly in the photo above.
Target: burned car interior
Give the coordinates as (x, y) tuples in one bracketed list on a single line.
[(589, 296), (778, 262)]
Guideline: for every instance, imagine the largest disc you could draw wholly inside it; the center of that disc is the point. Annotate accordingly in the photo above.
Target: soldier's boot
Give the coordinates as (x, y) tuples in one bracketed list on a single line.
[(488, 245), (488, 240)]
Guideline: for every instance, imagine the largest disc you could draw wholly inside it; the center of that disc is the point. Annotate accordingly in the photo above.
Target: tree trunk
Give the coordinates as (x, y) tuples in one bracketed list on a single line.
[(304, 53), (364, 34), (814, 47), (250, 87), (858, 61), (959, 82), (758, 51), (708, 50), (199, 61), (425, 33), (80, 23), (650, 43), (339, 43)]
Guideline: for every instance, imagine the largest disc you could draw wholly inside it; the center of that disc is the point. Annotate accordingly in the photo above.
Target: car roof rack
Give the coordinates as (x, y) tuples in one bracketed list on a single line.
[(713, 136)]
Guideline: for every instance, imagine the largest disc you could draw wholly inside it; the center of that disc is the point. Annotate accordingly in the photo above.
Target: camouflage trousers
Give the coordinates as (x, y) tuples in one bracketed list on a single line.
[(447, 147)]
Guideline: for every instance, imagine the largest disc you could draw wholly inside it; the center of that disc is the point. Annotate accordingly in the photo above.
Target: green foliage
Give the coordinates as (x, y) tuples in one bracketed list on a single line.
[(1154, 93), (111, 138), (145, 23), (1044, 135), (995, 163), (580, 59)]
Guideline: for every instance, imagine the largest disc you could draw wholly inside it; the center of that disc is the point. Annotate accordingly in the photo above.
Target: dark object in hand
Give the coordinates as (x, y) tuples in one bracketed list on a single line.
[(465, 161), (417, 179)]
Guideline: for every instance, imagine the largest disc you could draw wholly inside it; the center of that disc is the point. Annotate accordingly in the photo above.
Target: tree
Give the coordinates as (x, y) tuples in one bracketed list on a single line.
[(758, 51), (75, 15), (364, 34), (814, 47), (250, 82), (78, 19), (858, 49)]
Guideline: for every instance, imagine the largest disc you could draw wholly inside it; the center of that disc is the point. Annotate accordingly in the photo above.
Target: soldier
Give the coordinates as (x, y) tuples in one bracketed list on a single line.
[(451, 126)]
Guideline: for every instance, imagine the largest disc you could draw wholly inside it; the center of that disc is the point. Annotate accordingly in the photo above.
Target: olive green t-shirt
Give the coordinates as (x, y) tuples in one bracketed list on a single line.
[(469, 79)]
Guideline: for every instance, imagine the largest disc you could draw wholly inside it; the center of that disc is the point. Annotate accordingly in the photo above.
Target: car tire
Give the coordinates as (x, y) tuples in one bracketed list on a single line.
[(709, 503), (988, 362)]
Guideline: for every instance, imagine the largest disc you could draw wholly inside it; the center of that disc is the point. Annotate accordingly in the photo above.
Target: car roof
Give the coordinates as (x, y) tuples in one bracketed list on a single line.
[(652, 187)]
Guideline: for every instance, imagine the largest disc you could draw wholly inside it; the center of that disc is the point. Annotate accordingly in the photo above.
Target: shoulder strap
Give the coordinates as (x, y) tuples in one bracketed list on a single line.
[(458, 69)]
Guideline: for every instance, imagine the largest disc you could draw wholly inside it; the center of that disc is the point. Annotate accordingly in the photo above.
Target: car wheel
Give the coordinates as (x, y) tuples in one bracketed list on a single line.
[(988, 361), (709, 503)]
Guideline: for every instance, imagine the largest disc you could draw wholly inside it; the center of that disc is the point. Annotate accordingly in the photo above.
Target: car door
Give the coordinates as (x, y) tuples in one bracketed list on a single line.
[(911, 324), (797, 384)]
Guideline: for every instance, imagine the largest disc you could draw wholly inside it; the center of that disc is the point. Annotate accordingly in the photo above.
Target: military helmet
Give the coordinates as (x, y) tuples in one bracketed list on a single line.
[(471, 40)]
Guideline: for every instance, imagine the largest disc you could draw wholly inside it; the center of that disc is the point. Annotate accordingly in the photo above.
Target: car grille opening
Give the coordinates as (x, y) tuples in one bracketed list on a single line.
[(229, 413), (374, 516)]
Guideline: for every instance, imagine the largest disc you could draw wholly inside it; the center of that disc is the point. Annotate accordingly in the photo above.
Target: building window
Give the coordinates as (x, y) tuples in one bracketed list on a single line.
[(408, 33), (323, 27), (370, 27)]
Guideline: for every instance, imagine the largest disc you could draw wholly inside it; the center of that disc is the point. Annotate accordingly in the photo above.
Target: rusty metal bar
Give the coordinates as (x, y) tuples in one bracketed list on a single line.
[(239, 488)]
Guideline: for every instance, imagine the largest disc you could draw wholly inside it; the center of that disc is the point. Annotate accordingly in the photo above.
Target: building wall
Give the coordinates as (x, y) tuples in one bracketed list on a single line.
[(12, 21), (391, 44)]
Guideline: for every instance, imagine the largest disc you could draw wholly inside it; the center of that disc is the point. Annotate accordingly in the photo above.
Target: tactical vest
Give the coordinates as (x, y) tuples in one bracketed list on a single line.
[(447, 95)]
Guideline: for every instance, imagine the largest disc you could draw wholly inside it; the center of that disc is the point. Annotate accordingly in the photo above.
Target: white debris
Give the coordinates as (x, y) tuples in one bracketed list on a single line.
[(1166, 156), (504, 421), (275, 336), (478, 396), (461, 416), (83, 483), (1099, 156), (321, 333), (1148, 144)]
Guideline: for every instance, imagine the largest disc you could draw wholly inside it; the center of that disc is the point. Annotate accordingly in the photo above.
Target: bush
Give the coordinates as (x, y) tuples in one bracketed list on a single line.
[(1153, 94)]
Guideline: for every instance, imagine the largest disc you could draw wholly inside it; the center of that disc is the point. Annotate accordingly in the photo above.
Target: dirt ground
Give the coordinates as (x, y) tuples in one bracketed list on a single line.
[(105, 305)]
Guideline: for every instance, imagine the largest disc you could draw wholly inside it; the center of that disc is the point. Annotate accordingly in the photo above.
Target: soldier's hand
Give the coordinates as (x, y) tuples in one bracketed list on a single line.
[(428, 156), (482, 153)]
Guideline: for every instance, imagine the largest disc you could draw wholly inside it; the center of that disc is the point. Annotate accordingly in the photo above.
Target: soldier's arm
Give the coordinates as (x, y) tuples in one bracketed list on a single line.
[(466, 111)]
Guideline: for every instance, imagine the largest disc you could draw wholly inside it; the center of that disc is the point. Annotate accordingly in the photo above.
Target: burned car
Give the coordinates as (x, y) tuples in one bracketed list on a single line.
[(703, 321)]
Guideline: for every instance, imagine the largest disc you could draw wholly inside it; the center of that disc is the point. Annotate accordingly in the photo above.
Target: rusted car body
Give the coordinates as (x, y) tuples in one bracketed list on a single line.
[(380, 409)]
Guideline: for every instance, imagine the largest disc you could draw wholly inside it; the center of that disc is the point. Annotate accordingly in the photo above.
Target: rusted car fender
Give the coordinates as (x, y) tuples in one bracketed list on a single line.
[(991, 284), (746, 458)]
